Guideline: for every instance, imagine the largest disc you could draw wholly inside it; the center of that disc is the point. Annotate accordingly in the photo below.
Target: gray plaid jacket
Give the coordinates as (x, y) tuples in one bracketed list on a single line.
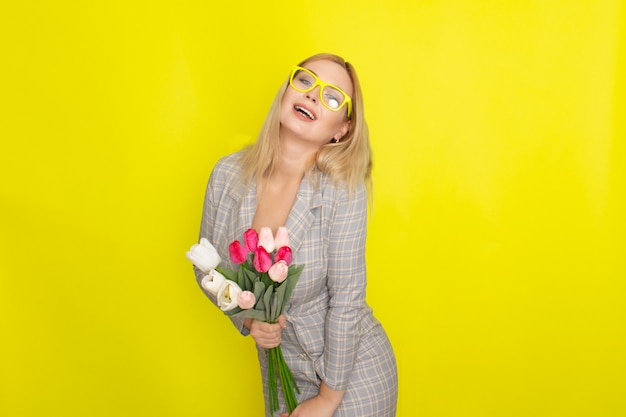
[(332, 335)]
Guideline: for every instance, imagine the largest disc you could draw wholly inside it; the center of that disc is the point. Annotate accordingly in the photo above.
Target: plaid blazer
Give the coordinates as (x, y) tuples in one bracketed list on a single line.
[(327, 313)]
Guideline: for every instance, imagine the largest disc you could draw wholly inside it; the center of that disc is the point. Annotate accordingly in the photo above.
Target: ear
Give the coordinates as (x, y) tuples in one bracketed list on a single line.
[(343, 130)]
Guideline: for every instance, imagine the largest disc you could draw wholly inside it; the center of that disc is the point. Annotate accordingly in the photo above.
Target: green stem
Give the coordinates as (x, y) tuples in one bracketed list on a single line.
[(292, 380), (287, 381), (271, 381)]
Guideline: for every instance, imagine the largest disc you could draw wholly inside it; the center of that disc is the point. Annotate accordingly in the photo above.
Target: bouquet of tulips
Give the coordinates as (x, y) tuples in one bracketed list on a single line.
[(258, 289)]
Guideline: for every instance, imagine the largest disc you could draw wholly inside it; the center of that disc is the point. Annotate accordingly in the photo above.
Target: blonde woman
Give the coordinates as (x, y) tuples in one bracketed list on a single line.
[(309, 170)]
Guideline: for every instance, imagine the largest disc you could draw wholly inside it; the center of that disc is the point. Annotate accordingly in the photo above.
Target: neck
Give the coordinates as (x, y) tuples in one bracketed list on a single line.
[(296, 158)]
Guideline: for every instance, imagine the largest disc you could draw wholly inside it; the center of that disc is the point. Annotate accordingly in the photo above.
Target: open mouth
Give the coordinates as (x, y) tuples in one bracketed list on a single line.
[(304, 112)]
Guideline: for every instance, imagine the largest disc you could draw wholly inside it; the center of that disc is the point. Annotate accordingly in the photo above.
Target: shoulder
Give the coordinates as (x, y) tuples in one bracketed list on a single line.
[(227, 171), (339, 194), (228, 166), (225, 177), (344, 211)]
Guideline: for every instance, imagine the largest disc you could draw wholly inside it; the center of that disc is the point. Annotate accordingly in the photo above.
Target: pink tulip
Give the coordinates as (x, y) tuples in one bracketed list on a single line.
[(246, 300), (251, 238), (262, 260), (284, 254), (279, 271), (282, 237), (266, 239), (237, 252)]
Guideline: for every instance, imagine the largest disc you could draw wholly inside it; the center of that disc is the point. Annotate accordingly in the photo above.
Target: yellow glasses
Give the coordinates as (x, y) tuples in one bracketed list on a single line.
[(332, 97)]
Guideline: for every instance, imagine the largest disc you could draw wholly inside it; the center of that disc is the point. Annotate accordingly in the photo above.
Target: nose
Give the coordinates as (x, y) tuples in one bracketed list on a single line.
[(314, 94)]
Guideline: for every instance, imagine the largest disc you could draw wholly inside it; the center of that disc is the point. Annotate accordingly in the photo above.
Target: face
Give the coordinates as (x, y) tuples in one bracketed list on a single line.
[(304, 115)]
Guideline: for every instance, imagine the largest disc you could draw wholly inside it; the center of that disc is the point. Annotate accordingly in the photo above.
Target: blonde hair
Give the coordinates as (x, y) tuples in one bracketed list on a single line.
[(347, 162)]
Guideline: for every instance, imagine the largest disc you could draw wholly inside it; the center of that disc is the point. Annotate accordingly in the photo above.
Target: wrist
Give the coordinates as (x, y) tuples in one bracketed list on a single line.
[(330, 396), (248, 323)]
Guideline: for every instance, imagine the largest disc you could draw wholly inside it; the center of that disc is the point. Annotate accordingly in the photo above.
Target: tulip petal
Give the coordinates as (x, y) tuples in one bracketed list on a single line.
[(262, 260), (266, 239), (282, 237), (251, 239), (213, 282), (228, 295), (237, 252), (278, 272), (246, 300), (284, 254), (204, 256)]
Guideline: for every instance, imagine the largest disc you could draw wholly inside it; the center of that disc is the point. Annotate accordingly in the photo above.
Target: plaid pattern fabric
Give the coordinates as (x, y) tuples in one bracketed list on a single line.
[(332, 335)]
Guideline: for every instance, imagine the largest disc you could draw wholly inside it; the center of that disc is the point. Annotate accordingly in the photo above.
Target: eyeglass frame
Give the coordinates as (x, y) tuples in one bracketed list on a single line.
[(346, 100)]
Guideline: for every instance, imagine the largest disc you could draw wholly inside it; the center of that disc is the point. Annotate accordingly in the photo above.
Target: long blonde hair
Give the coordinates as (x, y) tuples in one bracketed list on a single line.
[(348, 162)]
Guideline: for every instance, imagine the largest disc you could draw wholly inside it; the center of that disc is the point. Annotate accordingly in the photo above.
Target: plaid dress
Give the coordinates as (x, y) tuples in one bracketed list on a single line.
[(331, 333)]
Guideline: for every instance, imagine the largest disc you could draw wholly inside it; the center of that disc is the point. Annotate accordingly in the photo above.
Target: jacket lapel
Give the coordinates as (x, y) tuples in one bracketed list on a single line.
[(245, 206), (302, 213)]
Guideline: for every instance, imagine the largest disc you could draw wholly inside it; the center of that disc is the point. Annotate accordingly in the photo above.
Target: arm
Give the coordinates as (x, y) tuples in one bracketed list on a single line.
[(346, 285), (207, 223), (216, 188), (223, 176), (322, 405)]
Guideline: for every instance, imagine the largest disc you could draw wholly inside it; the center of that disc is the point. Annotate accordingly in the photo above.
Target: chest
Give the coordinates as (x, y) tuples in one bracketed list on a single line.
[(302, 211), (274, 204)]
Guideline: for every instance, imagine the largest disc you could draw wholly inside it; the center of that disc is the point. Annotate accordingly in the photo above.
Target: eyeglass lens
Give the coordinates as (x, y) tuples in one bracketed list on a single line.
[(305, 81)]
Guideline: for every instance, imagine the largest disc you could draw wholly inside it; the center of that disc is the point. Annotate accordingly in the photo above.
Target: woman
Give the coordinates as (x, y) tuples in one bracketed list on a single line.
[(309, 170)]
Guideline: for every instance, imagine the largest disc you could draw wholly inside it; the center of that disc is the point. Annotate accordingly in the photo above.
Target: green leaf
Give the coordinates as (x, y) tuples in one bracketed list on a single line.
[(240, 278), (277, 301), (259, 290), (290, 282), (232, 312), (267, 299), (247, 282), (253, 276), (251, 313), (274, 313), (265, 278), (228, 273)]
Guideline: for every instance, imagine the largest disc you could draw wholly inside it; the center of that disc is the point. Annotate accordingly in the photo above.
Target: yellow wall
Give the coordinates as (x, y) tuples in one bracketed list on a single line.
[(497, 242)]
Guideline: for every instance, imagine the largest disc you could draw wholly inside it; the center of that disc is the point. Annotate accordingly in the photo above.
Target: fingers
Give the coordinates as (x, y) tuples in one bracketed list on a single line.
[(266, 335), (268, 327)]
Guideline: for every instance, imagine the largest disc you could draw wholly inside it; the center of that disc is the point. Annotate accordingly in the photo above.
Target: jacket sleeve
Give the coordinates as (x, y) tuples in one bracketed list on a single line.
[(210, 208), (346, 285)]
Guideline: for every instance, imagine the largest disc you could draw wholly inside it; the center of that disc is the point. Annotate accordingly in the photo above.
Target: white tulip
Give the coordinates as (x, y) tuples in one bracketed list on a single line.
[(213, 282), (204, 256), (228, 295)]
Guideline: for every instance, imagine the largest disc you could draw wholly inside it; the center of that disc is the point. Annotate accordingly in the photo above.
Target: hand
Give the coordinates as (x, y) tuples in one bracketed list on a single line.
[(323, 404), (313, 407), (266, 335)]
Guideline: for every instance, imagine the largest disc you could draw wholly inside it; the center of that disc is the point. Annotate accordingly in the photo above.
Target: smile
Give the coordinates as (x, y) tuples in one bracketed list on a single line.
[(304, 112)]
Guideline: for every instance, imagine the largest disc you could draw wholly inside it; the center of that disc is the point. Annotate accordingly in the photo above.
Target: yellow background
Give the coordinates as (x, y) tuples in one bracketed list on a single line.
[(496, 246)]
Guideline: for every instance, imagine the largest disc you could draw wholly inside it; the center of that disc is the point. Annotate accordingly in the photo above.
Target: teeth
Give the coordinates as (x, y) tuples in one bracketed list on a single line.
[(305, 112)]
